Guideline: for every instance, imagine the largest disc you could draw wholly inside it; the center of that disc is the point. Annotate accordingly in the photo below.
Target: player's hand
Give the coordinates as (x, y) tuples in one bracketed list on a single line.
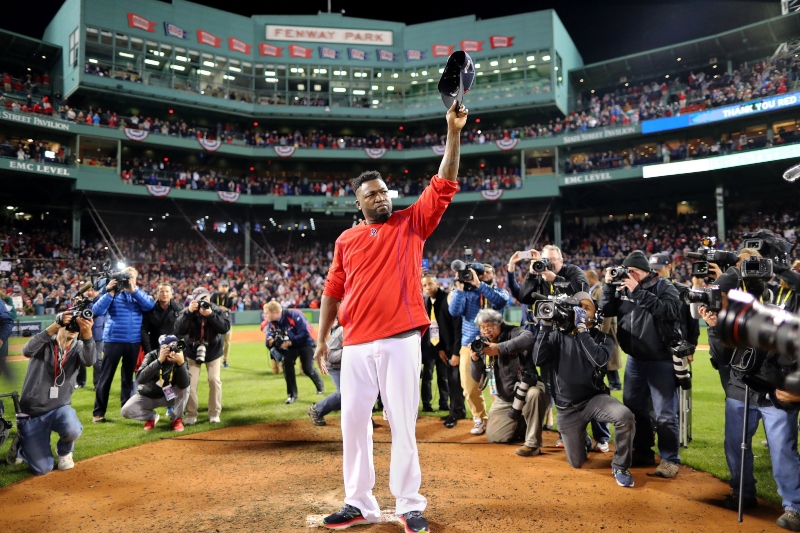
[(321, 357), (457, 116)]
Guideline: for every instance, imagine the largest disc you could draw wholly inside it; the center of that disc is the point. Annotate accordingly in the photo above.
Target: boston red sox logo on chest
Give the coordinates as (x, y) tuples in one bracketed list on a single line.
[(373, 232)]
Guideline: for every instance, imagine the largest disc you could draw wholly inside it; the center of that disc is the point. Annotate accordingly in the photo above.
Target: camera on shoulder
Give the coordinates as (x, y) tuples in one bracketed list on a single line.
[(558, 310), (279, 339)]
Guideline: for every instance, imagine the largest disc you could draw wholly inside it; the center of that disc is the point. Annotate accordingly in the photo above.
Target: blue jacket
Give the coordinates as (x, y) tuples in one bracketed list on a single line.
[(124, 322), (295, 325), (6, 324), (466, 304), (99, 323)]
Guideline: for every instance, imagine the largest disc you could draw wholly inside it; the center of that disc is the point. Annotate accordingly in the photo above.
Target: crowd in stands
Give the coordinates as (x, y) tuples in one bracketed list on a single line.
[(33, 150), (292, 271)]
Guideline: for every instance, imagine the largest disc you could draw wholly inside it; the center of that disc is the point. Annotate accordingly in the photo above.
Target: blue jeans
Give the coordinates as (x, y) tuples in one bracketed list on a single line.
[(781, 429), (333, 401), (34, 437), (655, 379)]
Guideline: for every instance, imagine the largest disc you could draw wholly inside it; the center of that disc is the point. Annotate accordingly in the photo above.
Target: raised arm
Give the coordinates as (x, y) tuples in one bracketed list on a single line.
[(456, 119)]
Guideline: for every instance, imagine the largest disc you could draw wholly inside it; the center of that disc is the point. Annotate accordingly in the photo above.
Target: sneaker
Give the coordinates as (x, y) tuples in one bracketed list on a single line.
[(99, 419), (385, 416), (623, 477), (12, 457), (190, 421), (731, 502), (150, 424), (291, 399), (601, 447), (666, 470), (548, 427), (414, 522), (427, 408), (479, 428), (65, 462), (79, 386), (450, 422), (789, 520), (177, 424), (213, 420), (321, 392), (527, 451), (343, 518), (559, 443), (315, 416), (225, 364)]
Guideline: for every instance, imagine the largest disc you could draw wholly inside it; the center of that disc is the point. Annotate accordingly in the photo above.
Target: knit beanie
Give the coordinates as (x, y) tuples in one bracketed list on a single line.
[(638, 260)]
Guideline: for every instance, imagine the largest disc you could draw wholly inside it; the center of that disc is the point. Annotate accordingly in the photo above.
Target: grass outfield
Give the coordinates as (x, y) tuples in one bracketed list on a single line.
[(252, 395)]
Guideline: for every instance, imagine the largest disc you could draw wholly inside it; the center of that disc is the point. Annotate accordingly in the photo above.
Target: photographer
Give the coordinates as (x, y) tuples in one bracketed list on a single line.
[(97, 335), (477, 292), (778, 409), (690, 326), (203, 325), (225, 300), (578, 353), (545, 271), (436, 344), (333, 367), (6, 326), (55, 355), (164, 381), (639, 300), (609, 327), (514, 382), (288, 334), (160, 320), (122, 337)]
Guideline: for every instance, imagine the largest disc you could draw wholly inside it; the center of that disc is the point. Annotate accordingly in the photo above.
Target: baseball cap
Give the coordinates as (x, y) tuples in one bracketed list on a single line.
[(167, 339), (659, 261), (224, 282), (199, 292), (457, 77), (478, 268)]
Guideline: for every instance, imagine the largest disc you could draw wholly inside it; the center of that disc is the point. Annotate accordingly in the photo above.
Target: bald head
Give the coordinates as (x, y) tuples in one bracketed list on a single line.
[(592, 276)]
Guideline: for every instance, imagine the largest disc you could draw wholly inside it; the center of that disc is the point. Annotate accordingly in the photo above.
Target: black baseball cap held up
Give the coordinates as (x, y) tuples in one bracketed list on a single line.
[(457, 78)]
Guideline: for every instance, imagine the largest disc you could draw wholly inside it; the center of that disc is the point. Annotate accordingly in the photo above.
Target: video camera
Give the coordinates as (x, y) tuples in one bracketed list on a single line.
[(767, 342), (709, 297), (122, 278), (707, 253), (279, 338), (558, 310), (464, 269), (770, 246)]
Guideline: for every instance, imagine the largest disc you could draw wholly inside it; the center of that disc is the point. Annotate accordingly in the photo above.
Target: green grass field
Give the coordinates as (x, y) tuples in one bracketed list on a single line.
[(252, 395)]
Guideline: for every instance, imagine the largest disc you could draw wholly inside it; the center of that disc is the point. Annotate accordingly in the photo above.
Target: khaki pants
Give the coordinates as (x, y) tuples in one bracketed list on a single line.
[(214, 388), (501, 429), (226, 346), (472, 393)]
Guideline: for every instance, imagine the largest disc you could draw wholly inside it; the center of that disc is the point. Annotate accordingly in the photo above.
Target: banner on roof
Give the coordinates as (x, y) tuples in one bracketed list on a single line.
[(171, 30), (267, 49), (472, 46), (136, 135), (299, 51), (325, 52), (209, 145), (492, 195), (238, 46), (500, 41), (140, 23), (414, 55), (284, 151), (203, 37), (507, 144), (229, 197), (375, 153), (158, 190), (311, 34), (439, 149), (386, 55), (355, 53), (441, 50)]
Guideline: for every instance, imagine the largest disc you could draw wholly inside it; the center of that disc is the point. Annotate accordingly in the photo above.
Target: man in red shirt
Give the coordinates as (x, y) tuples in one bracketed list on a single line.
[(373, 286)]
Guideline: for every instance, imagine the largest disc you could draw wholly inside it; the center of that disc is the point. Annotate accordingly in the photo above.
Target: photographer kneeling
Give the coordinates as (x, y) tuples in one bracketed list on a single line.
[(578, 353), (55, 355), (204, 325), (520, 401), (164, 381)]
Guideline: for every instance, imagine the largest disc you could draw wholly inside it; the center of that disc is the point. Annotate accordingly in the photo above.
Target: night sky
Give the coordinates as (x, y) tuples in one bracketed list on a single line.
[(601, 29)]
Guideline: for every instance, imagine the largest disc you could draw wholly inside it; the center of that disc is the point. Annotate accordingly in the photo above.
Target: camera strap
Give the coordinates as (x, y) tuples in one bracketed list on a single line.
[(59, 362), (782, 302)]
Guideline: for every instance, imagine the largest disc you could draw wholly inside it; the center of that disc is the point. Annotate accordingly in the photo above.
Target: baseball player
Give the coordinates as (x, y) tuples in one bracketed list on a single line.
[(373, 286)]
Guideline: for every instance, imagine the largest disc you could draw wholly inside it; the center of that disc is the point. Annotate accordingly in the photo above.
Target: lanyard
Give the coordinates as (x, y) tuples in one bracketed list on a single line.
[(58, 363), (760, 298), (780, 302)]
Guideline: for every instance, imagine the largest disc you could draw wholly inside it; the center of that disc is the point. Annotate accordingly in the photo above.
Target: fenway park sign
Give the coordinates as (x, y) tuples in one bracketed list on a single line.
[(328, 35)]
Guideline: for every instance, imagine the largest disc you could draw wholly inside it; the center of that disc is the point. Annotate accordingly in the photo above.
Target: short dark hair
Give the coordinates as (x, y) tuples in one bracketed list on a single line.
[(369, 175)]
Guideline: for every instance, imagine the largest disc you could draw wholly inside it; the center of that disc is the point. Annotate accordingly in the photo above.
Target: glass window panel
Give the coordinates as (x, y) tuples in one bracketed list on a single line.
[(92, 34), (105, 37), (137, 44), (121, 41)]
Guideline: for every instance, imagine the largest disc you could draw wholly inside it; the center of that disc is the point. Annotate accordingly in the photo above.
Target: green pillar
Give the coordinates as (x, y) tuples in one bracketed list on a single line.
[(247, 243), (522, 164), (76, 225), (557, 227), (720, 200)]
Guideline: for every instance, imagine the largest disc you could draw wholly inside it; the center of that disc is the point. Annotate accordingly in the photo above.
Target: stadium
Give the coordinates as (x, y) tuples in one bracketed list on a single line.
[(204, 147)]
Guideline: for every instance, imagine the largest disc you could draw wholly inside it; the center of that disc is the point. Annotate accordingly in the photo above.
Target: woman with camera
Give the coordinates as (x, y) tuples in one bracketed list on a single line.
[(203, 325)]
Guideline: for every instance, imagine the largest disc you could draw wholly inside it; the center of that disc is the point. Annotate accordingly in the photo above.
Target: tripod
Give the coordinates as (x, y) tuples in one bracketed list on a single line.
[(744, 449)]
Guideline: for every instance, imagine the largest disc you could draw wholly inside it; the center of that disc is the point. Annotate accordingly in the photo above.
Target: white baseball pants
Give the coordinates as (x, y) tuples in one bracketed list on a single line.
[(391, 366)]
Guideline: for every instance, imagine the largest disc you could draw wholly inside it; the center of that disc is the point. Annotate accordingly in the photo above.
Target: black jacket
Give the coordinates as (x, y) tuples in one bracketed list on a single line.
[(535, 287), (576, 361), (514, 344), (445, 322), (690, 327), (157, 322), (196, 327), (152, 370), (637, 312)]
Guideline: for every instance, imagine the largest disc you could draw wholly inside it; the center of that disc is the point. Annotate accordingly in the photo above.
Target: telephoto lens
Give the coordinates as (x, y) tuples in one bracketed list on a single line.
[(200, 353)]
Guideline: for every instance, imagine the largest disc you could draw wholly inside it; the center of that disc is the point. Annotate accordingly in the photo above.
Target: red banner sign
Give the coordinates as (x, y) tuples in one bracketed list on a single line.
[(472, 46), (499, 41), (141, 23), (440, 50), (299, 51), (238, 46), (269, 50), (203, 37)]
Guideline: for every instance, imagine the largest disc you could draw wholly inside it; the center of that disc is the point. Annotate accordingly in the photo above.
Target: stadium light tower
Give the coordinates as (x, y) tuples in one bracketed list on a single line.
[(788, 7)]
